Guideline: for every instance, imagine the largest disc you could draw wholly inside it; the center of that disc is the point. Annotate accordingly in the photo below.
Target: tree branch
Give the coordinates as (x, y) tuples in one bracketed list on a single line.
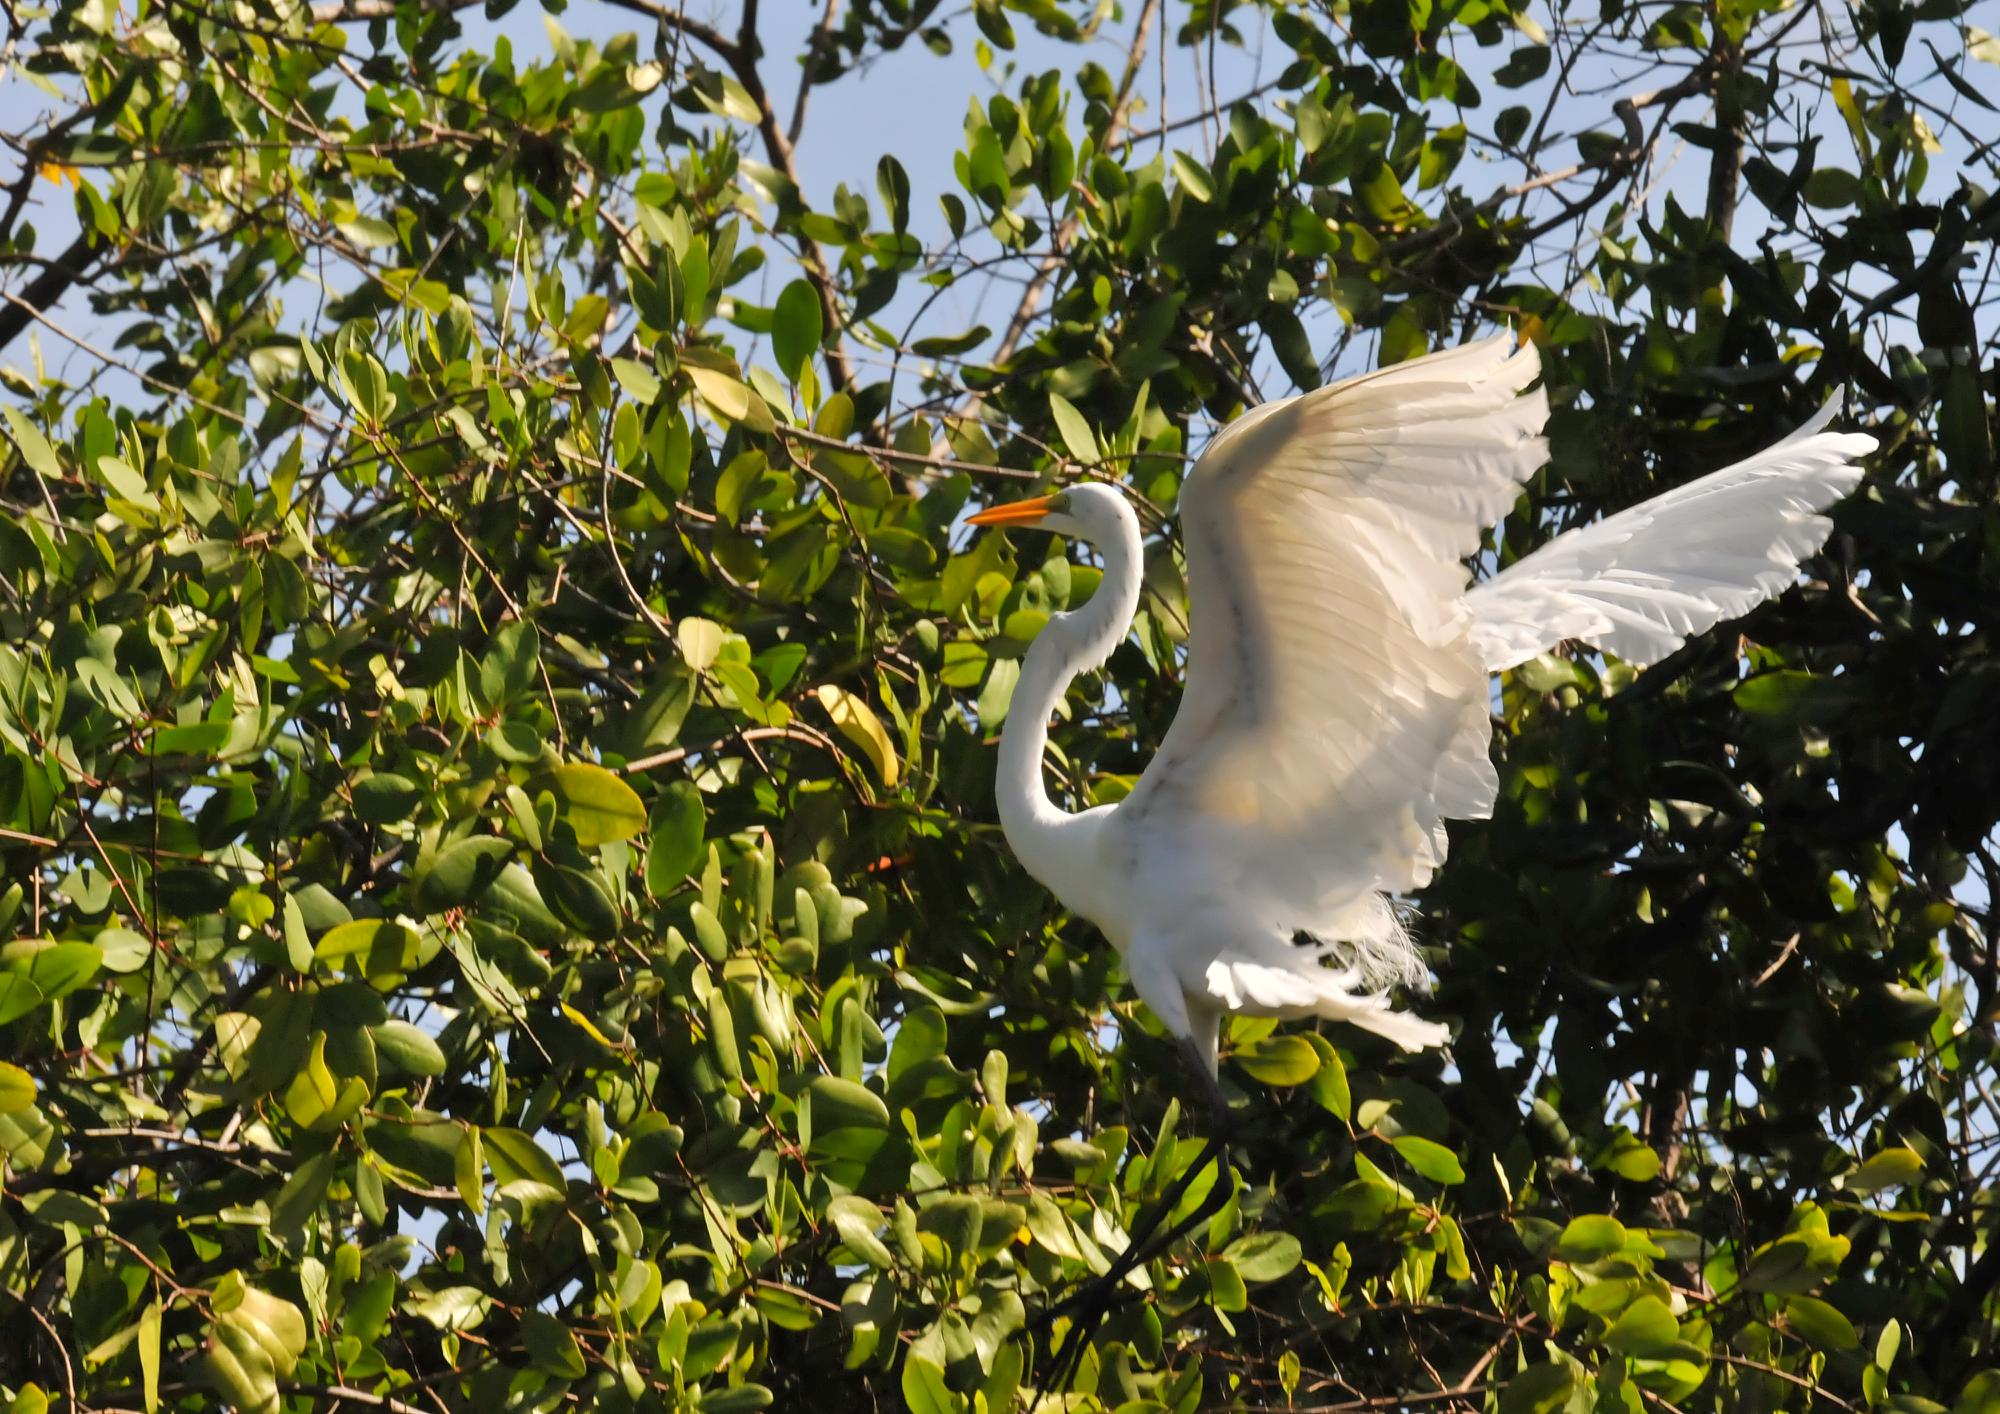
[(815, 52), (778, 147), (46, 290)]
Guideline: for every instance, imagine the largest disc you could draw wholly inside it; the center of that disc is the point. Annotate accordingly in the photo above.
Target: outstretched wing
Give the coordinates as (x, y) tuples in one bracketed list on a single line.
[(1639, 583), (1335, 711)]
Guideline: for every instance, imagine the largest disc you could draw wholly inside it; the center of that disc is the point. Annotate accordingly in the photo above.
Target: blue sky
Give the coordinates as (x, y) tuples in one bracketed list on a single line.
[(912, 102)]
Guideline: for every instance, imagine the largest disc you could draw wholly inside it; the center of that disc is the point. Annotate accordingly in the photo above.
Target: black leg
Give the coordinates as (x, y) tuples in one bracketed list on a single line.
[(1094, 1299)]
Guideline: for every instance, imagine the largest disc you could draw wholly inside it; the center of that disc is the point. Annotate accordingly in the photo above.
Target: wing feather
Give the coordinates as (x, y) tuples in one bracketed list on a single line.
[(1335, 712), (1639, 583)]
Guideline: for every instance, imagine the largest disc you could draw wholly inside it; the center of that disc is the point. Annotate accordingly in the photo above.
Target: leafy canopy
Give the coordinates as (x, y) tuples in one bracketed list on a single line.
[(502, 907)]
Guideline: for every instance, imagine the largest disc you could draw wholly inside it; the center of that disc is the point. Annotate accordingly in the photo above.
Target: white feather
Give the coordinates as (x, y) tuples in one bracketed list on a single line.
[(1639, 583)]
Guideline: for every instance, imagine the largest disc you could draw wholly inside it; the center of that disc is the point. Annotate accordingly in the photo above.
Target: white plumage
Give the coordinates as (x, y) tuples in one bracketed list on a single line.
[(1335, 713)]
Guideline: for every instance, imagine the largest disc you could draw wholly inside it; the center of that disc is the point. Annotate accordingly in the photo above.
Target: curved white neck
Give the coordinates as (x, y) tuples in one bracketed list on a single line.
[(1041, 833)]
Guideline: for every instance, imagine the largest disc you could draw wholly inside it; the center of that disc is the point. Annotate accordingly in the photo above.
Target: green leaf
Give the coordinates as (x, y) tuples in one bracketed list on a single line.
[(586, 318), (1820, 1324), (1636, 1162), (264, 1050), (319, 1100), (451, 1308), (516, 1158), (364, 232), (838, 1103), (385, 798), (1645, 1329), (1279, 1060), (18, 997), (298, 940), (511, 666), (925, 1390), (381, 948), (1539, 1389), (1193, 177), (1403, 337), (1896, 1167), (674, 845), (730, 398), (240, 1368), (1226, 1288), (1888, 1343), (408, 1048), (957, 1219), (857, 1221), (462, 871), (579, 899), (1429, 1158), (1076, 433), (1792, 696), (301, 1195), (468, 1169), (1981, 1393), (951, 345), (640, 383), (56, 969), (551, 1346), (1590, 1238), (797, 326), (598, 805), (1264, 1256), (35, 448), (1328, 1087), (123, 950), (919, 1038)]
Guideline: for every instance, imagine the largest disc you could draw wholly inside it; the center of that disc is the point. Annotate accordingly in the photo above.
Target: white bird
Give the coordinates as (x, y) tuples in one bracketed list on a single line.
[(1335, 711)]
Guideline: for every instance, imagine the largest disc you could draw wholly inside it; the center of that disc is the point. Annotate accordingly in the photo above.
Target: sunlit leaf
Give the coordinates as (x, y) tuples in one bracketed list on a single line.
[(859, 724)]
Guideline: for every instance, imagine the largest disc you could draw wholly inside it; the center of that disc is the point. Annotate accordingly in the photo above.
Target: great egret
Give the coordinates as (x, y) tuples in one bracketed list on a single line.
[(1336, 710)]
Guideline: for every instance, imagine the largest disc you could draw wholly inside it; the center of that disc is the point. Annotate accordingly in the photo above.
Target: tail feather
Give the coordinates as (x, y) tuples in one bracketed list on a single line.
[(1304, 988)]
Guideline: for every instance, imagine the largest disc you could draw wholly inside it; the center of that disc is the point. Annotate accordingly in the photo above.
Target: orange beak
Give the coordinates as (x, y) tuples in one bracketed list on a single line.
[(1013, 513)]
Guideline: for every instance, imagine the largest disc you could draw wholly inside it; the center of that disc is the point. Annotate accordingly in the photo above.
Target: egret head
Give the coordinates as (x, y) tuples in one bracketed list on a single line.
[(1090, 511)]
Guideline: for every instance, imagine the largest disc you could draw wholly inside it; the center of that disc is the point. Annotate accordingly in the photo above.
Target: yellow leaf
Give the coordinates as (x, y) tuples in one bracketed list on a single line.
[(312, 1094), (598, 806), (729, 398), (589, 1027), (149, 1354), (468, 1167), (700, 642), (17, 1089), (859, 724)]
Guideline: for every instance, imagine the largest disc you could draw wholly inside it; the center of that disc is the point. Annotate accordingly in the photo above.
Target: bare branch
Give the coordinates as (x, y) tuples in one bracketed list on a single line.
[(814, 53)]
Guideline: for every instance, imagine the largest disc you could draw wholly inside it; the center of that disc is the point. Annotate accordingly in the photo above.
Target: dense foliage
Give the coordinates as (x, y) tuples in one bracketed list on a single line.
[(502, 907)]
